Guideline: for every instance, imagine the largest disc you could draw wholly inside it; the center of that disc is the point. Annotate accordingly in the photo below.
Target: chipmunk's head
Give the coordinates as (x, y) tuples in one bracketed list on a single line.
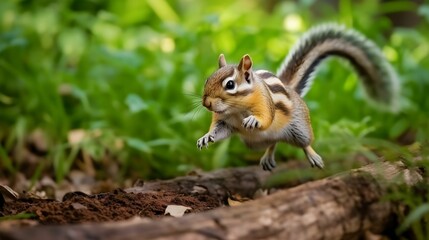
[(226, 89)]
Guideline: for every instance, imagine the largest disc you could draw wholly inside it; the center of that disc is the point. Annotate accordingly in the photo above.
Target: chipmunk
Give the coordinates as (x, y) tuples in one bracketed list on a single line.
[(265, 109)]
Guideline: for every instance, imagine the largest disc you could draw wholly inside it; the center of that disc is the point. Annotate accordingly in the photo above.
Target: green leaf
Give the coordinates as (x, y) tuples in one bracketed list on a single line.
[(163, 9), (135, 103), (162, 142), (72, 43), (424, 11), (11, 39), (18, 216), (414, 216), (138, 145), (6, 161)]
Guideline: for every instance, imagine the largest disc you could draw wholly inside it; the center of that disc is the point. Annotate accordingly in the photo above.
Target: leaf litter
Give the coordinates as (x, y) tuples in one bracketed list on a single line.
[(79, 207)]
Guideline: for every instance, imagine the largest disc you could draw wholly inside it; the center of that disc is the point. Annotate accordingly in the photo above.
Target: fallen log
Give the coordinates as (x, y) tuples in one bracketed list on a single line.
[(243, 181), (344, 206)]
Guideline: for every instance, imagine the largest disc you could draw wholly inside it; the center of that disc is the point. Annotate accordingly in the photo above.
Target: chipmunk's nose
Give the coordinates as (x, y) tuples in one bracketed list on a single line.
[(207, 103)]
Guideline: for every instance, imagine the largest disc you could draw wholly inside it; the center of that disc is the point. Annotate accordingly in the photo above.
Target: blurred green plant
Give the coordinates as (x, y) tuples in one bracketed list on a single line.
[(134, 70)]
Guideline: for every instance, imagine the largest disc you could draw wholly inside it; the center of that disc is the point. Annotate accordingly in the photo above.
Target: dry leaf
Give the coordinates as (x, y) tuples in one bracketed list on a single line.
[(176, 210), (239, 198), (76, 136), (119, 143), (139, 183), (260, 193), (195, 172), (47, 181), (35, 194), (86, 164), (39, 140), (65, 89), (78, 178), (198, 189), (78, 206), (233, 203), (21, 182), (8, 193)]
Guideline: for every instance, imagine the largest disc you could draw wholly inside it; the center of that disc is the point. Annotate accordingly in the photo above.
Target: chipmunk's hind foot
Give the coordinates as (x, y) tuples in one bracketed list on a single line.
[(314, 158), (268, 161)]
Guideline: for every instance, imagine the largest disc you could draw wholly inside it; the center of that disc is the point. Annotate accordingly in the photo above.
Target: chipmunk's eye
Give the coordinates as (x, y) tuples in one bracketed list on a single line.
[(230, 85)]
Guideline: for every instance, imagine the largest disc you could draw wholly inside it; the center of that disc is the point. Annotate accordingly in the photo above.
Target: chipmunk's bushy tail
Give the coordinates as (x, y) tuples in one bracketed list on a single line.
[(378, 76)]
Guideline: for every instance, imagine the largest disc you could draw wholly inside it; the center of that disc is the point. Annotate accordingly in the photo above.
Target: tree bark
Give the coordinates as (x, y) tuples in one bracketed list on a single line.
[(344, 206)]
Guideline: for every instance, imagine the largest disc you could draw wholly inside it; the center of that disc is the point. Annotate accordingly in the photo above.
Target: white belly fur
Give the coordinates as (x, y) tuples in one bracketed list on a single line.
[(262, 139)]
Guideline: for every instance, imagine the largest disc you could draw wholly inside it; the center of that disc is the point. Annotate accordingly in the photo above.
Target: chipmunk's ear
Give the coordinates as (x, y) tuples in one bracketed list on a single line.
[(222, 61), (244, 67), (245, 63)]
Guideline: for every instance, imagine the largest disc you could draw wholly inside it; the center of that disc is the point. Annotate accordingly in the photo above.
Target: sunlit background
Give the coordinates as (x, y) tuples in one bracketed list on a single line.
[(113, 87)]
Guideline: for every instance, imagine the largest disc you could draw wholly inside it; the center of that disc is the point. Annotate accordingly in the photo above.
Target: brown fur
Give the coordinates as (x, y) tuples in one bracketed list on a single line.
[(260, 108), (214, 81)]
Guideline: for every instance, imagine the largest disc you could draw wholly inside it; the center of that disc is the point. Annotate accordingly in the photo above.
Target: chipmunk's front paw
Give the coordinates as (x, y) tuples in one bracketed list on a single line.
[(204, 140), (251, 123)]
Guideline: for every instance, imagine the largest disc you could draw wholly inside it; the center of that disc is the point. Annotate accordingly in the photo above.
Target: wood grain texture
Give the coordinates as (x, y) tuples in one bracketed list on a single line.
[(345, 206)]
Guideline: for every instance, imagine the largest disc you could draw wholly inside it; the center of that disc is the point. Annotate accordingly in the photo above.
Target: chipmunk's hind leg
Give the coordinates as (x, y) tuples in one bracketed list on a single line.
[(268, 161), (313, 157)]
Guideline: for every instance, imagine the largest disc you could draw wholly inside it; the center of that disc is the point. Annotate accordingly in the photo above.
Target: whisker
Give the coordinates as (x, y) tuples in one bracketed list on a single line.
[(192, 95), (196, 112), (193, 107), (196, 104), (195, 99)]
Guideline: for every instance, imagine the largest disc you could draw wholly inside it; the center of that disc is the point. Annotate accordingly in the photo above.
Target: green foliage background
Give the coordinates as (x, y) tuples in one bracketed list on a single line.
[(131, 73)]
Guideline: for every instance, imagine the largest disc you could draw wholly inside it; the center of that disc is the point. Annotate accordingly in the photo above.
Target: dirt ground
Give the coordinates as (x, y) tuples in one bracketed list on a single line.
[(78, 207)]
